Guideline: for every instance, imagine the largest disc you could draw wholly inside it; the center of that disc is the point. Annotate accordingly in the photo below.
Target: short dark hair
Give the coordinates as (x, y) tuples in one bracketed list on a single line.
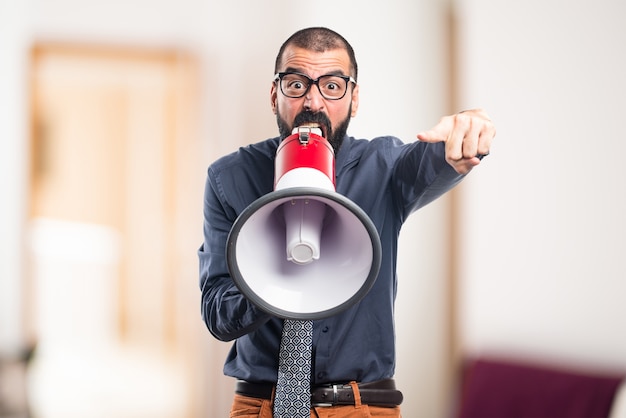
[(318, 39)]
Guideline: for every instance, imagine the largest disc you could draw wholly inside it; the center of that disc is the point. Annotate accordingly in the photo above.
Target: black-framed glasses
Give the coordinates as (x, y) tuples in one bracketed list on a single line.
[(331, 87)]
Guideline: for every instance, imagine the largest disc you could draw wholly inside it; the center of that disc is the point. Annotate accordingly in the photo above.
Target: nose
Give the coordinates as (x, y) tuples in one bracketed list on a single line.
[(313, 99)]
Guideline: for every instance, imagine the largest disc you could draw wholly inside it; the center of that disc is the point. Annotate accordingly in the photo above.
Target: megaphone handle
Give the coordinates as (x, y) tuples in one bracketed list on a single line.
[(303, 229)]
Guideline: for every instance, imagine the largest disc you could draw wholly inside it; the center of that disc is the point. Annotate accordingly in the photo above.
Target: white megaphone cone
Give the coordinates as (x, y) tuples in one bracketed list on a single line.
[(304, 251)]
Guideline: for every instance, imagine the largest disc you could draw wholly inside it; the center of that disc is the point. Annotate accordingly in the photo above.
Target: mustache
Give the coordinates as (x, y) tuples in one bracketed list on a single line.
[(306, 117)]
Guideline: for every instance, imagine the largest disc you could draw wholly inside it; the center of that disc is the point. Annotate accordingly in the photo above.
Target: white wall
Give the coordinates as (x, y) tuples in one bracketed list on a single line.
[(13, 131), (543, 238)]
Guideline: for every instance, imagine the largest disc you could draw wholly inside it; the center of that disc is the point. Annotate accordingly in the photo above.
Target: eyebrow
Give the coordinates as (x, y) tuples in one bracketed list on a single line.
[(299, 70)]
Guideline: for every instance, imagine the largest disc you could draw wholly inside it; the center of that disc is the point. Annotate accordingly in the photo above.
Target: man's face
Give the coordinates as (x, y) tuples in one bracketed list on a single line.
[(332, 116)]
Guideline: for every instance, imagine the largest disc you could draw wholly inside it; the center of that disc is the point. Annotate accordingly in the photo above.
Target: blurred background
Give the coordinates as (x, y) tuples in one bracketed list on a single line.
[(110, 113)]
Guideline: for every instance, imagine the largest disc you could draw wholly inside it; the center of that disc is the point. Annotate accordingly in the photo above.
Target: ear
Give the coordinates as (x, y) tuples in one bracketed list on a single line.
[(273, 97), (355, 101)]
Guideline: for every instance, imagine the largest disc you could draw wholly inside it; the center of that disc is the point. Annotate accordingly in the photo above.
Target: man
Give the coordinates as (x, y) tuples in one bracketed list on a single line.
[(316, 86)]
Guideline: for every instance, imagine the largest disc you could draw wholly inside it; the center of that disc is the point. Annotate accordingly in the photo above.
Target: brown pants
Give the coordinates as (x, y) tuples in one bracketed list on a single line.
[(247, 407)]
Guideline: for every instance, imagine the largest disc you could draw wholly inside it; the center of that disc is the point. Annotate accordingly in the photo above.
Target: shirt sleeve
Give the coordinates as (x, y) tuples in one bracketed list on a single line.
[(422, 175), (226, 312)]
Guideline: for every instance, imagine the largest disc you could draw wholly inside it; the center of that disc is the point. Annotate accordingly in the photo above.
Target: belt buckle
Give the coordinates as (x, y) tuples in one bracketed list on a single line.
[(334, 401)]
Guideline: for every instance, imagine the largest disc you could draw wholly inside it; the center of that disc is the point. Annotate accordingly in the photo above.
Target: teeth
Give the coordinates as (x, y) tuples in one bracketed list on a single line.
[(313, 128)]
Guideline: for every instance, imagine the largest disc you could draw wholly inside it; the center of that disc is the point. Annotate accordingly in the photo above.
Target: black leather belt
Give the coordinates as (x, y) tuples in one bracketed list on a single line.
[(379, 393)]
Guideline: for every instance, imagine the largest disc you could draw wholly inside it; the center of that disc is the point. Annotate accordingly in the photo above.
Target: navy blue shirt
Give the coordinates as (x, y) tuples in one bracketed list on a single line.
[(389, 180)]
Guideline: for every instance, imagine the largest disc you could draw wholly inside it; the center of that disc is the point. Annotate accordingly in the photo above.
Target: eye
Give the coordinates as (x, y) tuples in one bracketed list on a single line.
[(332, 86), (295, 85)]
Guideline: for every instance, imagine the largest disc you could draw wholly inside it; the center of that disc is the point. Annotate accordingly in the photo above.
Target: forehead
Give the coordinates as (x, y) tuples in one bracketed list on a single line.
[(315, 63)]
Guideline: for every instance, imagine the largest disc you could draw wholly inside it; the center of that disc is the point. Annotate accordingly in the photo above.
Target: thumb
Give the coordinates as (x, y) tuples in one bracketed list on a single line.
[(431, 136), (438, 133)]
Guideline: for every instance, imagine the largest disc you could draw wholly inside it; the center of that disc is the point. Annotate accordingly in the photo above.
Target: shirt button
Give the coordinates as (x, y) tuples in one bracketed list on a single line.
[(325, 329), (321, 375)]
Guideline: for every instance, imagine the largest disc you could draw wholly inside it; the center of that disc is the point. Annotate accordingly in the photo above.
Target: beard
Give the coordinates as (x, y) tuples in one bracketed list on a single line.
[(334, 136)]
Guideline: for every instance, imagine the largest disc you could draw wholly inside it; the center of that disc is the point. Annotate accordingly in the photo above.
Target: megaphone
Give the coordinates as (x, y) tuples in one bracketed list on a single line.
[(304, 251)]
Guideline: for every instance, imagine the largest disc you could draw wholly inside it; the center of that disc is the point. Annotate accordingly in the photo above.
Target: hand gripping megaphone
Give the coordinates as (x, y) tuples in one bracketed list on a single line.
[(304, 251)]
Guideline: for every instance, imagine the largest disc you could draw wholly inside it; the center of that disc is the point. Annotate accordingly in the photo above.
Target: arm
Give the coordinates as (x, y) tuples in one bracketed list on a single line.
[(441, 158), (226, 312), (422, 175)]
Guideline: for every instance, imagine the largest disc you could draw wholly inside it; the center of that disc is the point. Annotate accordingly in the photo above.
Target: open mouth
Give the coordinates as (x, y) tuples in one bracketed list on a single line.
[(318, 120), (315, 128)]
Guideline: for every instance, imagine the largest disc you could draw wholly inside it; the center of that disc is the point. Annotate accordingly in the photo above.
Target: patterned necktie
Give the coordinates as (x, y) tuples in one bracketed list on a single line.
[(293, 390)]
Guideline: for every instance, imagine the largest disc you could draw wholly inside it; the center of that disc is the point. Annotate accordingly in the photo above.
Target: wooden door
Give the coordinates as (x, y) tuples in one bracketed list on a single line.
[(113, 158)]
